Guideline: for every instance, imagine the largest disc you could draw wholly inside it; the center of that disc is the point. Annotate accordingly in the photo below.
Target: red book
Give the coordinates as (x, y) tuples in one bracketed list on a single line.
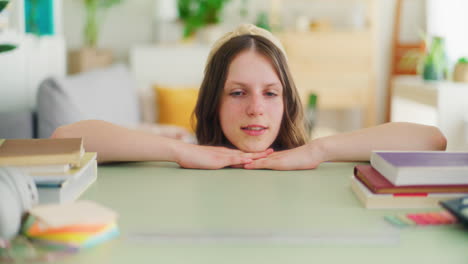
[(377, 183)]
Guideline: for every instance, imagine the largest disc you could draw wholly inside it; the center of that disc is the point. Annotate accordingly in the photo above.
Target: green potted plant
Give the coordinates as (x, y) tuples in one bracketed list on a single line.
[(263, 21), (198, 14), (435, 60), (4, 47), (3, 4), (90, 56), (460, 73), (93, 20)]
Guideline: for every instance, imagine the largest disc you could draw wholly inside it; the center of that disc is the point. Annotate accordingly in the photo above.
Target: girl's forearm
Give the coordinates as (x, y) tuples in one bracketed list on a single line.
[(358, 145), (116, 143)]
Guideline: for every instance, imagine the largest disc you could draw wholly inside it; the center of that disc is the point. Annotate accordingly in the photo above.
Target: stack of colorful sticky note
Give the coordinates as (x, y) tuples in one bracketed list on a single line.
[(72, 226), (421, 219)]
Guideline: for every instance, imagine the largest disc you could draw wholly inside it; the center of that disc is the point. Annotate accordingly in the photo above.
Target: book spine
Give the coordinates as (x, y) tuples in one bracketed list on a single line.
[(410, 194), (72, 188)]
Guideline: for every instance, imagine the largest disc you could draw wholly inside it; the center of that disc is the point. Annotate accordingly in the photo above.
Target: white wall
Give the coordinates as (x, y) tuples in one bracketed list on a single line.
[(35, 58), (449, 21), (123, 25), (131, 23)]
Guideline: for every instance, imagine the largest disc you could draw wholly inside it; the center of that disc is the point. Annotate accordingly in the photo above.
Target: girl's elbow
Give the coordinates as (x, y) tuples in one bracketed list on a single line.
[(60, 132), (438, 140)]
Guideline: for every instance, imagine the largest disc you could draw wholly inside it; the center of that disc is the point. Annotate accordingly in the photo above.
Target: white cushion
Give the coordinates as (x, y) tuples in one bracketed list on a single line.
[(105, 94)]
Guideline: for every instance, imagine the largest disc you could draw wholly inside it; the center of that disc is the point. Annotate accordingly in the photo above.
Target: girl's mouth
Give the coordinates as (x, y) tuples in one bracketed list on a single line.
[(254, 130)]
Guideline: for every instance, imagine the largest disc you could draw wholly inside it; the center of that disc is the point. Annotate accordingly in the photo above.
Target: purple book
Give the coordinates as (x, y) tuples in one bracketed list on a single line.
[(422, 167)]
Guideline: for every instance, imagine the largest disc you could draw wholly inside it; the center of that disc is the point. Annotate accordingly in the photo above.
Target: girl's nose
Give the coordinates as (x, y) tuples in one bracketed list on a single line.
[(255, 105)]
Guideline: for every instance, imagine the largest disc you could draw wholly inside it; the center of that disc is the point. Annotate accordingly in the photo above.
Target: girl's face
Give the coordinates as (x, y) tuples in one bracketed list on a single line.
[(251, 107)]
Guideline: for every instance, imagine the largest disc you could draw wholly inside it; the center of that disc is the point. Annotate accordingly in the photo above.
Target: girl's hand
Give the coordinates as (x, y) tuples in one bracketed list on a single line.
[(305, 157), (192, 156)]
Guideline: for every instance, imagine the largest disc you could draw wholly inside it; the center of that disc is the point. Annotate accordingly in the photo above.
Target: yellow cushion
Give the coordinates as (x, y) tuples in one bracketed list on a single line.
[(175, 105)]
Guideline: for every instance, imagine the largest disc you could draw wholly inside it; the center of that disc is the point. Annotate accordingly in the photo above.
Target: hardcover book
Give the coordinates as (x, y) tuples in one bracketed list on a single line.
[(377, 183), (387, 201), (41, 152), (422, 167)]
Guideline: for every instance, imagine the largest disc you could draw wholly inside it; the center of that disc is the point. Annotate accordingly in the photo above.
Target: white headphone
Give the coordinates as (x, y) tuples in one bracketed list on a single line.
[(18, 194)]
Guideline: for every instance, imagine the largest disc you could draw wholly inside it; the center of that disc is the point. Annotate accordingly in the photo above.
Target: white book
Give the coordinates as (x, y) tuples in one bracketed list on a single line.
[(422, 167), (56, 178), (70, 189), (372, 200)]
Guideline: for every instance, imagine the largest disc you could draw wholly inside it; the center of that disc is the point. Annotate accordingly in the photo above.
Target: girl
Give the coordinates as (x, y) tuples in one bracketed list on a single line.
[(249, 115)]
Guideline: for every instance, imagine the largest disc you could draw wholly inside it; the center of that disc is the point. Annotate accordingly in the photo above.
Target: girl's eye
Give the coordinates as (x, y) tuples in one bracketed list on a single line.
[(271, 94), (236, 93)]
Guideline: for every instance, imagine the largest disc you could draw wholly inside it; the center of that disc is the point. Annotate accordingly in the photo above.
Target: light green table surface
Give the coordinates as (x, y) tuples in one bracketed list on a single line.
[(174, 215)]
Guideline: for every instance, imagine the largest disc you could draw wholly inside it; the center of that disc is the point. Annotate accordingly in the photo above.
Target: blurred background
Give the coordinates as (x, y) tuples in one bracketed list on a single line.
[(356, 63)]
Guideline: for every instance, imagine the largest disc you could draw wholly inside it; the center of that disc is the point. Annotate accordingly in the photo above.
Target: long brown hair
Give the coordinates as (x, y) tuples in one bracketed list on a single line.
[(208, 128)]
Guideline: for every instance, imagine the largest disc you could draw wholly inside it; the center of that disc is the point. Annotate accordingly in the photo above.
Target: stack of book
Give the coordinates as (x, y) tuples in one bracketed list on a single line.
[(61, 168), (73, 226), (411, 179)]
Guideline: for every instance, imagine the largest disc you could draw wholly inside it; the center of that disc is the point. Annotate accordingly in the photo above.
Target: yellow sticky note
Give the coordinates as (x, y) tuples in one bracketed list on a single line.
[(76, 213)]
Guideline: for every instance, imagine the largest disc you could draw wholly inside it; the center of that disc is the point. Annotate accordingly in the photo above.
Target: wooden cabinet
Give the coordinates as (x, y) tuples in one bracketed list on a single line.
[(339, 66)]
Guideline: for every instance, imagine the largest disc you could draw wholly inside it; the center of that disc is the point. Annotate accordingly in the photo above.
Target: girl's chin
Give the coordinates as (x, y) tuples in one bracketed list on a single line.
[(252, 149)]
